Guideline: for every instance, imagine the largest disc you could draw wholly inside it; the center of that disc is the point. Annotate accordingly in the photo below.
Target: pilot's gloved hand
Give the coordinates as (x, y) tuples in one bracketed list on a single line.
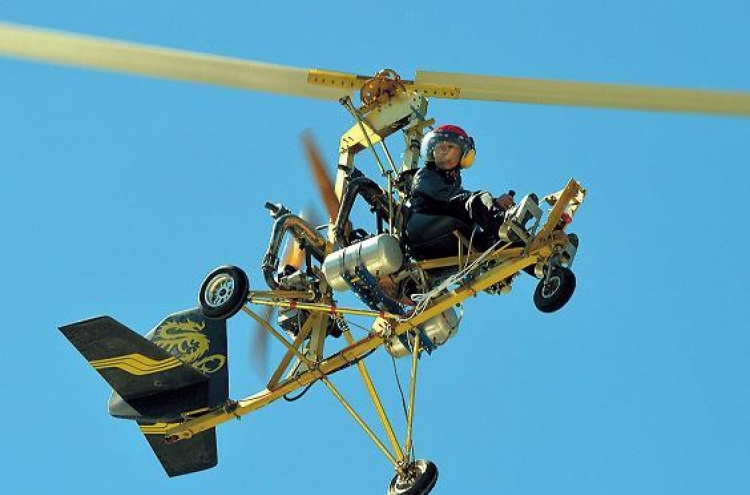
[(505, 201)]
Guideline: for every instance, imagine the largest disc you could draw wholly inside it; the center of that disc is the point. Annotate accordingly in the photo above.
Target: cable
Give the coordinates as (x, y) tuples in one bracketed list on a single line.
[(423, 300), (298, 396), (401, 390), (471, 242), (403, 399), (344, 326)]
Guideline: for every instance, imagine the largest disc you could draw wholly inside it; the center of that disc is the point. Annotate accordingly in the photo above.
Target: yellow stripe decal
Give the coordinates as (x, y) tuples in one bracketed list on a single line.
[(136, 364)]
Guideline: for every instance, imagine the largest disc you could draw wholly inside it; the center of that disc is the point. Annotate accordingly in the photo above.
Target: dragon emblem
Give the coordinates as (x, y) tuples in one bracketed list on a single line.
[(186, 340)]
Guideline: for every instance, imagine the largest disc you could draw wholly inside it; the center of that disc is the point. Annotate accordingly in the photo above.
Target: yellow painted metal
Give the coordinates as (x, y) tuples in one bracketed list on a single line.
[(210, 420), (369, 135), (380, 122), (574, 199), (279, 295), (284, 364), (157, 428), (279, 337), (510, 262), (360, 421), (503, 252), (319, 308), (31, 43), (376, 401), (358, 138), (333, 79), (313, 321), (416, 349), (550, 92), (354, 82), (318, 336), (195, 412), (436, 90), (359, 349), (57, 47), (572, 191)]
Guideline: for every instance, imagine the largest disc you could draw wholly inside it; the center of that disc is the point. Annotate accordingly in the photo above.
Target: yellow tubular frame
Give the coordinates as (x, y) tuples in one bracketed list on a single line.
[(361, 422), (412, 390), (358, 349), (511, 261), (377, 403)]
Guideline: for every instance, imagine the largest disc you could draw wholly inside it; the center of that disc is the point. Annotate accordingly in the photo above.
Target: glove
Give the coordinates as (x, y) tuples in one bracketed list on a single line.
[(505, 201)]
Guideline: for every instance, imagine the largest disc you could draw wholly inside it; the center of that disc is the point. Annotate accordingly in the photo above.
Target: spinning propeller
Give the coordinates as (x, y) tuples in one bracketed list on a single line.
[(293, 255)]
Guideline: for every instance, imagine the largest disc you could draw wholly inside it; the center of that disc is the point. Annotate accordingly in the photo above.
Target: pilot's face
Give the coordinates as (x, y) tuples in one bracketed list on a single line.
[(447, 155)]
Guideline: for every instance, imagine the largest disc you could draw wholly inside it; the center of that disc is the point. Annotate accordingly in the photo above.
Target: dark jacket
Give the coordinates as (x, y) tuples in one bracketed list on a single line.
[(436, 208), (438, 192)]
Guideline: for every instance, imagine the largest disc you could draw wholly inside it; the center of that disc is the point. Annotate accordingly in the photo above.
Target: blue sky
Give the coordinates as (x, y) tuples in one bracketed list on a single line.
[(118, 194)]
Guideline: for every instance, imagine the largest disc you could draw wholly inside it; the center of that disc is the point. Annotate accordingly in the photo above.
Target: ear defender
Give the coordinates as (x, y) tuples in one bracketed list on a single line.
[(468, 157)]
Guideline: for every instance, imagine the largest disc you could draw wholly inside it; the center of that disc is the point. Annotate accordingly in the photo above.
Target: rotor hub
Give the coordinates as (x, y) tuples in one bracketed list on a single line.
[(385, 85)]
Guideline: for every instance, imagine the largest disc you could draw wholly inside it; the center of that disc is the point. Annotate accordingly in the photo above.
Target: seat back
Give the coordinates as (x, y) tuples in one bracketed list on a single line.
[(431, 236)]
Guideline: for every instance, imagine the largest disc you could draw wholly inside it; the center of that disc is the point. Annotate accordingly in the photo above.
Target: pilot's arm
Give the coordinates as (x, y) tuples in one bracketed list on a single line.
[(432, 194)]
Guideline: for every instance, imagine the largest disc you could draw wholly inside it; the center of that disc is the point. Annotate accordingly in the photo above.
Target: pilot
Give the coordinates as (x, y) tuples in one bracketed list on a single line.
[(439, 205)]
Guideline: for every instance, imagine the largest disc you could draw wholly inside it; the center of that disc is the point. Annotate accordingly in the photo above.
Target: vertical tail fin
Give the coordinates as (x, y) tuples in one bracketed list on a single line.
[(179, 367)]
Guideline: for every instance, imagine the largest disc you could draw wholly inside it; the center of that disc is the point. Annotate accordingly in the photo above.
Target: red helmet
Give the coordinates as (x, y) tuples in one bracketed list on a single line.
[(451, 133)]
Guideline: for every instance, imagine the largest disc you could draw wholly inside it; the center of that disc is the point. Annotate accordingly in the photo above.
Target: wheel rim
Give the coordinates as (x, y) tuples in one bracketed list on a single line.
[(552, 285), (219, 290), (415, 472)]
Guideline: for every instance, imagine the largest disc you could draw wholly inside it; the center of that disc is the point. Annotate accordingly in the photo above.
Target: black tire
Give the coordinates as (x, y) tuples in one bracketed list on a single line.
[(424, 475), (223, 292), (558, 290)]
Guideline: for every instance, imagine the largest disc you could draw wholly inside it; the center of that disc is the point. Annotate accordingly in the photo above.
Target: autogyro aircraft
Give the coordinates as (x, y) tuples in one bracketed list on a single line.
[(174, 381)]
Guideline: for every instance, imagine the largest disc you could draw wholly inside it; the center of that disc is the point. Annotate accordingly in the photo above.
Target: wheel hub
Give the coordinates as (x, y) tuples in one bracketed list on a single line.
[(416, 478), (219, 290), (550, 287), (407, 479)]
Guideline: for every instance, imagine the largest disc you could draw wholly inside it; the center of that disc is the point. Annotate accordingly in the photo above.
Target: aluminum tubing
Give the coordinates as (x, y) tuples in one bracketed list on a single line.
[(302, 231)]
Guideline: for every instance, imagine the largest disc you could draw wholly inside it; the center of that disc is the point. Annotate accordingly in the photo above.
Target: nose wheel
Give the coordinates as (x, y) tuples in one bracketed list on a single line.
[(420, 479), (554, 289)]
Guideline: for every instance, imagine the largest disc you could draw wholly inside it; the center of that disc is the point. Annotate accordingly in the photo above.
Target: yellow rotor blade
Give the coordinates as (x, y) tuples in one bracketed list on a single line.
[(99, 53), (523, 90), (321, 175)]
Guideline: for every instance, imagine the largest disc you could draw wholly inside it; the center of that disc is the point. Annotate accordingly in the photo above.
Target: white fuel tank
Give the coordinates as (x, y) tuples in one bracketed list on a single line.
[(438, 329), (381, 255)]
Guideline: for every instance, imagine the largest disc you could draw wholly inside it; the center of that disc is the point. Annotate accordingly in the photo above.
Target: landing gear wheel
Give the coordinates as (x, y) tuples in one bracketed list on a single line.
[(223, 292), (421, 480), (553, 292)]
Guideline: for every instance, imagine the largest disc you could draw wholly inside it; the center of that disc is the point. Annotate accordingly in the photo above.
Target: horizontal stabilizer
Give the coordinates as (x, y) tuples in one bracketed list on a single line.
[(186, 456), (132, 365)]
